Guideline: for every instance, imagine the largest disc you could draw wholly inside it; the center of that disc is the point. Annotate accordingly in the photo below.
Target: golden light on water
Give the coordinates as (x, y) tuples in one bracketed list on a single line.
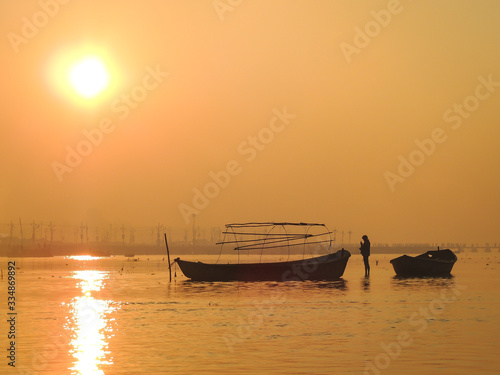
[(90, 325), (82, 257)]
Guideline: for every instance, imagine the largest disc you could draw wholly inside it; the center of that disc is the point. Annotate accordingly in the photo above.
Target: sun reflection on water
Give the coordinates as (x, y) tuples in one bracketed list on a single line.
[(90, 325), (82, 257)]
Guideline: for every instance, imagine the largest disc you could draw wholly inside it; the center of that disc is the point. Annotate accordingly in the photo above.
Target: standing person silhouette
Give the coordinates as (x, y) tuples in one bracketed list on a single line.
[(365, 251)]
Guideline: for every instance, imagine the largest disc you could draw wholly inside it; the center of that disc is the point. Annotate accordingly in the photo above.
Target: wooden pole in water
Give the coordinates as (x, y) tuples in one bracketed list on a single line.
[(168, 257)]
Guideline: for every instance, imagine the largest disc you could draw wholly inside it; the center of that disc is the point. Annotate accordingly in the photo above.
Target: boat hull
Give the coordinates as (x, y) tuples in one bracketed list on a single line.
[(431, 263), (327, 267)]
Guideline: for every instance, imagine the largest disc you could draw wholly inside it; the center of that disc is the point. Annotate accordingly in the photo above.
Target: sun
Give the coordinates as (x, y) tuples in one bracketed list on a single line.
[(89, 77), (85, 75)]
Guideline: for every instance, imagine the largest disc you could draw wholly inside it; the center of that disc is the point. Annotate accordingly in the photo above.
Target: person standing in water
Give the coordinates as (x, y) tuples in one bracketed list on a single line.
[(365, 251)]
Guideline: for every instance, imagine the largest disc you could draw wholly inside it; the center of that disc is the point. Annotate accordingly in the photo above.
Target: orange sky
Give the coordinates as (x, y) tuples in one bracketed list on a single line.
[(357, 85)]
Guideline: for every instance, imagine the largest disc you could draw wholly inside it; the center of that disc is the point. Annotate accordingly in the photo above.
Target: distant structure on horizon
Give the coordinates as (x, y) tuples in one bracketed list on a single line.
[(39, 239)]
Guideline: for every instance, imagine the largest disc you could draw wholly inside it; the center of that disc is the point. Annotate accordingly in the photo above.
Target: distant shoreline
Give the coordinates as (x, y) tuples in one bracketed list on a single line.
[(47, 249)]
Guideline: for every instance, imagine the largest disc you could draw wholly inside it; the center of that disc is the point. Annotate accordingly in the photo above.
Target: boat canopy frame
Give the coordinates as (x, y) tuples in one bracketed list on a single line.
[(251, 239)]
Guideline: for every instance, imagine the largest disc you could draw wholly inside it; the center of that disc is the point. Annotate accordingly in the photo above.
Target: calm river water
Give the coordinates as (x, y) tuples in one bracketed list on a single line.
[(117, 316)]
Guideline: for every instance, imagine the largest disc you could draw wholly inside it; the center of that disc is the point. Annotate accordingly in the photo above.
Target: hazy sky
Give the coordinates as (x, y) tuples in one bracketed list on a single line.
[(377, 116)]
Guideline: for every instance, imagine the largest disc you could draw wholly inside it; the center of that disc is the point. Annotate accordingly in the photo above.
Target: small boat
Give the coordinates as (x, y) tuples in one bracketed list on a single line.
[(432, 263), (325, 267)]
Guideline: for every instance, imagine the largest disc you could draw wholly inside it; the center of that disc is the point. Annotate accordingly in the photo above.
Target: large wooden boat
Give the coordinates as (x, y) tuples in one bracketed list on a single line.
[(432, 263), (326, 267), (258, 236)]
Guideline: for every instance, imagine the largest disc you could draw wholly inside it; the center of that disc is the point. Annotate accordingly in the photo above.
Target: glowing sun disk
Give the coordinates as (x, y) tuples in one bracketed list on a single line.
[(89, 77)]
